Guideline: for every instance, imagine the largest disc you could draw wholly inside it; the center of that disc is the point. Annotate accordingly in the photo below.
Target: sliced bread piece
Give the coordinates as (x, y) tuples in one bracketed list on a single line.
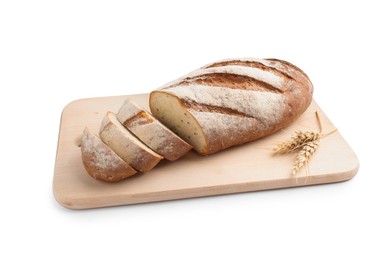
[(126, 145), (101, 162), (151, 131)]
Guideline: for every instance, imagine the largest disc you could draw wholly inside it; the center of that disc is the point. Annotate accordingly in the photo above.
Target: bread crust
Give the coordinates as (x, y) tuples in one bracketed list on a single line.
[(240, 100), (151, 132), (126, 145), (101, 162)]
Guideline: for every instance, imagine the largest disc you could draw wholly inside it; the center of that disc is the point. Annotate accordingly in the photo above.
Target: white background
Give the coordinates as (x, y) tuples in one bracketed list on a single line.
[(53, 52)]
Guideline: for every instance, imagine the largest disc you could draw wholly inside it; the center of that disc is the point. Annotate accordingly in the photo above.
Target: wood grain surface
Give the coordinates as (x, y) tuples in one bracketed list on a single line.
[(249, 167)]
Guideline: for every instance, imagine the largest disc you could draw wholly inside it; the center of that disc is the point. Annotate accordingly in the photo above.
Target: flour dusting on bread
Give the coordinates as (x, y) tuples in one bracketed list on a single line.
[(265, 106)]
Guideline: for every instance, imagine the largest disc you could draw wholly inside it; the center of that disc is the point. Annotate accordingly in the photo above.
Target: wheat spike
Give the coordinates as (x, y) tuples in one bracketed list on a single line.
[(299, 139), (307, 142), (305, 155)]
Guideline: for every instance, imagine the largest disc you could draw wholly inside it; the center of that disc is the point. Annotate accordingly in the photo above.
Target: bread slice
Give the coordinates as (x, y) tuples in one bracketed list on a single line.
[(151, 131), (126, 145), (101, 162), (173, 113)]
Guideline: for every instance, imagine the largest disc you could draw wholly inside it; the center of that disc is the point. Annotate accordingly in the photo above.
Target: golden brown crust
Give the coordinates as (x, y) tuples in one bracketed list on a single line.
[(101, 162), (229, 81), (298, 96), (252, 64), (141, 118)]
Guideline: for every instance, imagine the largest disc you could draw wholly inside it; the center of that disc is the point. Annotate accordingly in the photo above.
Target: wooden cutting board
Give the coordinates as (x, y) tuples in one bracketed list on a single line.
[(249, 167)]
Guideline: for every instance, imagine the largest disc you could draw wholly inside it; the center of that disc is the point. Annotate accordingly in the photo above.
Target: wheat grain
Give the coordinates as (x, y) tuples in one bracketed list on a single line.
[(305, 155), (299, 139), (307, 142)]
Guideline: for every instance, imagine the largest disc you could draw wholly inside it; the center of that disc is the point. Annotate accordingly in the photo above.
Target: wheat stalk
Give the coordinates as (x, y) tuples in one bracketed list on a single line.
[(299, 139), (307, 142), (305, 155)]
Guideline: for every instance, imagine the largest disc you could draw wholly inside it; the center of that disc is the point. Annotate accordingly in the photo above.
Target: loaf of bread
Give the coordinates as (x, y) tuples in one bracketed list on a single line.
[(232, 102), (126, 145), (100, 161), (151, 132)]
